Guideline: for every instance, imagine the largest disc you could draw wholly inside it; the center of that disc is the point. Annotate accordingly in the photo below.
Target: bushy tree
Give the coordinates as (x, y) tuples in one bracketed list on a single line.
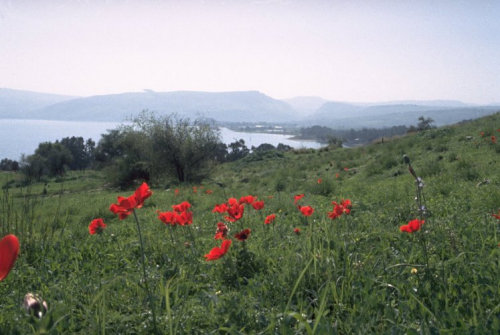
[(424, 123), (82, 152), (51, 159), (179, 146), (111, 146), (8, 165), (263, 147), (163, 146), (237, 150), (283, 147)]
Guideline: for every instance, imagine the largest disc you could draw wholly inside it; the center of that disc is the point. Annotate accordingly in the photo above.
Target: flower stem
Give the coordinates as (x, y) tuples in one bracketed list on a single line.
[(143, 261)]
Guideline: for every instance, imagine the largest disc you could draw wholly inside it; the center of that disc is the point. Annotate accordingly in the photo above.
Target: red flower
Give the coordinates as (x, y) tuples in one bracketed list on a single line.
[(195, 189), (209, 192), (235, 212), (9, 249), (270, 219), (258, 205), (221, 232), (346, 169), (412, 226), (320, 181), (496, 215), (343, 208), (184, 218), (125, 206), (247, 199), (346, 205), (493, 139), (96, 226), (297, 198), (142, 193), (173, 218), (337, 175), (217, 252), (167, 217), (222, 208), (481, 133), (306, 210), (243, 235), (182, 207), (336, 212), (176, 192), (296, 231)]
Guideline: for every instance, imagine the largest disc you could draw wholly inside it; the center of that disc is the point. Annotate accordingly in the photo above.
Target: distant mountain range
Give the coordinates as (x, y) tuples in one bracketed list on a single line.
[(225, 106), (22, 104), (342, 115), (241, 106)]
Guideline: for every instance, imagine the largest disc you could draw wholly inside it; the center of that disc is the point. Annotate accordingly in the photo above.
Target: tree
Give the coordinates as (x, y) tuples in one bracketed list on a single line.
[(283, 147), (8, 165), (334, 142), (49, 159), (424, 123), (82, 152), (110, 146), (237, 150), (177, 146), (264, 147)]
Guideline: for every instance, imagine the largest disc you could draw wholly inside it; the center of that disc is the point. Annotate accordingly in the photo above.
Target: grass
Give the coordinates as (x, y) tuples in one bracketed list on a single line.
[(355, 274)]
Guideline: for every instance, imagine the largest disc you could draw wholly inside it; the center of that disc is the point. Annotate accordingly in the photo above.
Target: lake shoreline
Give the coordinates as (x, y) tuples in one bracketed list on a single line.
[(22, 136)]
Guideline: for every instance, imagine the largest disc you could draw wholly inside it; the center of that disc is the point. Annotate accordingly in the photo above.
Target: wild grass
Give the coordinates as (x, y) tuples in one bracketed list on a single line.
[(355, 274)]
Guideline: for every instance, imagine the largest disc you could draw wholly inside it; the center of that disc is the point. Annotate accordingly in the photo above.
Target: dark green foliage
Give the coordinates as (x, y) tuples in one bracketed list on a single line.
[(160, 147), (54, 159), (237, 150), (178, 146), (352, 137), (424, 123), (8, 165), (82, 152), (110, 146), (49, 159)]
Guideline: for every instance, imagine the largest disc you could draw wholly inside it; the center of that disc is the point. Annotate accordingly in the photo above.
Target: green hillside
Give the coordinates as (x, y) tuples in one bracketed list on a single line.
[(357, 273)]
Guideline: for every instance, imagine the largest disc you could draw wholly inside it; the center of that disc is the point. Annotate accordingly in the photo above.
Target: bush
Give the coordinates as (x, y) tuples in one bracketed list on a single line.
[(174, 146), (8, 165)]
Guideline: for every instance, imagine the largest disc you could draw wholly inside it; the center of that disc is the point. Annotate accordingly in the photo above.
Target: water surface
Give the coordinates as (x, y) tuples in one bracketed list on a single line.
[(19, 137)]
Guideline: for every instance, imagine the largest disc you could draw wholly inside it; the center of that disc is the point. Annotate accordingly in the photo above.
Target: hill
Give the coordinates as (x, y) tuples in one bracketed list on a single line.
[(244, 106), (342, 115), (221, 106), (305, 105), (18, 104)]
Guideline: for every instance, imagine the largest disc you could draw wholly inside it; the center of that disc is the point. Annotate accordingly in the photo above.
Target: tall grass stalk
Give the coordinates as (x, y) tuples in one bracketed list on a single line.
[(297, 282), (145, 277)]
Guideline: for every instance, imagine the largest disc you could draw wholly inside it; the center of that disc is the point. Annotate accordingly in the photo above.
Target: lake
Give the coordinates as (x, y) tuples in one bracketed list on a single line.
[(23, 136)]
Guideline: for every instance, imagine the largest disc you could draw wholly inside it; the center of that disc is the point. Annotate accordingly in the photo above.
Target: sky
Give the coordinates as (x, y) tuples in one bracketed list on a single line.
[(356, 51)]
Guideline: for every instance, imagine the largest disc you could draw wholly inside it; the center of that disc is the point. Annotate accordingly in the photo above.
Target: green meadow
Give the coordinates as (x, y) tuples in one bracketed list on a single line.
[(356, 274)]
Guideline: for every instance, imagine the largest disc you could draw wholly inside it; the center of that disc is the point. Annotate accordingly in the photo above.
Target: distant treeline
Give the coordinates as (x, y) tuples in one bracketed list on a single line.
[(169, 147), (151, 148), (350, 137), (359, 136)]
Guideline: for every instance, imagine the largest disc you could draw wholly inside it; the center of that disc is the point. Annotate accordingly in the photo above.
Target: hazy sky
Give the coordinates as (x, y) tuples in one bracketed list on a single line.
[(358, 51)]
